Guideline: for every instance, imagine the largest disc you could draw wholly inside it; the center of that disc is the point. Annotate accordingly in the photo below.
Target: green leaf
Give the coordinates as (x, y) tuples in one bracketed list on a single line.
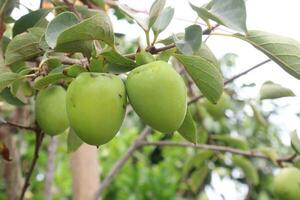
[(270, 90), (270, 153), (188, 129), (24, 46), (9, 98), (165, 55), (282, 50), (206, 53), (230, 13), (155, 10), (141, 21), (192, 40), (32, 19), (97, 27), (232, 141), (7, 6), (43, 82), (258, 115), (7, 78), (198, 177), (248, 168), (74, 70), (60, 23), (143, 57), (295, 141), (118, 62), (206, 75), (97, 64), (163, 20), (74, 142)]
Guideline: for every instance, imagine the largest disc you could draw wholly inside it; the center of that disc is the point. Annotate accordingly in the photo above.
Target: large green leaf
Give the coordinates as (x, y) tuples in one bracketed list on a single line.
[(206, 53), (270, 90), (248, 168), (155, 10), (206, 75), (97, 27), (24, 46), (163, 20), (191, 42), (32, 19), (230, 13), (60, 23), (282, 50), (9, 98), (188, 129)]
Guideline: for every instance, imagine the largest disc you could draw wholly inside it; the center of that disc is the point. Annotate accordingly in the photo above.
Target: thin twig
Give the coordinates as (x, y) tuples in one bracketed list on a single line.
[(6, 123), (193, 100), (120, 163), (218, 148), (38, 142)]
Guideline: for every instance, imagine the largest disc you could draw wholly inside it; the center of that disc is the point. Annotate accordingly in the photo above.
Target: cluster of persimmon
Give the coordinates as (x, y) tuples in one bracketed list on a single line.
[(94, 104)]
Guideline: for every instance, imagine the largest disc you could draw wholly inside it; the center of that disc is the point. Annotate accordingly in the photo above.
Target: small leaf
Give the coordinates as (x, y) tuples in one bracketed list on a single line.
[(163, 20), (270, 90), (74, 70), (74, 142), (97, 64), (4, 151), (230, 13), (24, 46), (155, 10), (143, 57), (248, 168), (97, 27), (206, 75), (32, 19), (270, 153), (295, 141), (43, 82), (188, 129), (198, 177), (258, 115), (60, 23), (165, 55), (282, 50), (7, 78), (192, 40), (232, 141)]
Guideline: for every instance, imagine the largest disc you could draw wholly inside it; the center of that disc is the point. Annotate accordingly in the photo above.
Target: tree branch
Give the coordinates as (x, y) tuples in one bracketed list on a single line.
[(12, 124), (120, 163), (38, 142), (193, 100), (218, 148), (72, 8)]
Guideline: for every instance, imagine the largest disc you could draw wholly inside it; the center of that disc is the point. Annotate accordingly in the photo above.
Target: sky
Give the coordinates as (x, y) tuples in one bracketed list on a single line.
[(275, 16)]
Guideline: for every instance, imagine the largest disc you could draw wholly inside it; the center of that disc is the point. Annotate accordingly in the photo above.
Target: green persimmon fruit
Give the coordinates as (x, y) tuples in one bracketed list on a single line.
[(217, 110), (158, 95), (287, 184), (50, 110), (96, 104)]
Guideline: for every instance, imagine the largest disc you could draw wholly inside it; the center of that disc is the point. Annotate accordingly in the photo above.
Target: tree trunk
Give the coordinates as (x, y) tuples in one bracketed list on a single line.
[(49, 174), (85, 172)]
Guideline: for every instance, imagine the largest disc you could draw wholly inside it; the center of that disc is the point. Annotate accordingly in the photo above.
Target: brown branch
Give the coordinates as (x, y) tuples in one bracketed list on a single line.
[(218, 148), (12, 124), (195, 99), (38, 142), (120, 163)]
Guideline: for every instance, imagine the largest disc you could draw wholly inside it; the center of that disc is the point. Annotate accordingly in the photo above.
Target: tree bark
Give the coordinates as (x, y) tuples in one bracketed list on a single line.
[(85, 172), (49, 174)]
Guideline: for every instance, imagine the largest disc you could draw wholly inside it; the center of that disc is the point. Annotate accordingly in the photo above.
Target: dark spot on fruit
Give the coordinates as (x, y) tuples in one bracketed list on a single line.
[(124, 106), (120, 95)]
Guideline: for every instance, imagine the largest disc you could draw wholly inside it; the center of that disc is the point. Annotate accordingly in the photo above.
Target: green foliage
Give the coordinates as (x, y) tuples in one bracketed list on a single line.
[(270, 90)]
